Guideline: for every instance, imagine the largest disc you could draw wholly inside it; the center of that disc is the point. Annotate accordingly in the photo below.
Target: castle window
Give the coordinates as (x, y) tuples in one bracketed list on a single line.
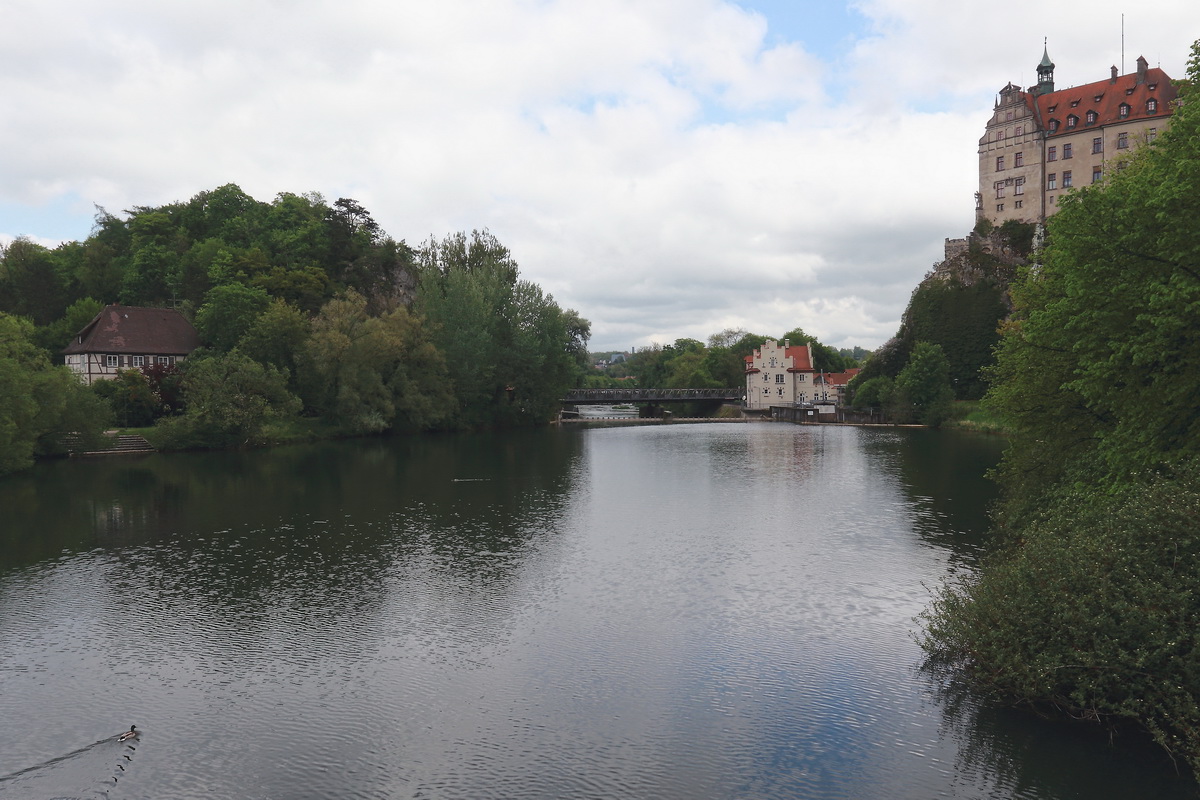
[(1072, 121), (1095, 174), (1122, 141), (999, 187), (1124, 110), (999, 206), (1018, 203), (1151, 134), (1067, 179), (1052, 181), (1091, 117), (1052, 154), (1000, 136), (1053, 125), (1019, 130), (1152, 105), (1067, 150), (1098, 145), (999, 163), (1020, 187), (1018, 159)]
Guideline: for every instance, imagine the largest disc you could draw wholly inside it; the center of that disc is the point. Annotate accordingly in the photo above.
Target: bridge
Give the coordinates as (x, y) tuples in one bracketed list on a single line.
[(621, 396)]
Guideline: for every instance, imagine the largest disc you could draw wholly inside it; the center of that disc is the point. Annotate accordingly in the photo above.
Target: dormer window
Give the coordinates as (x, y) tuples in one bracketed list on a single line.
[(1052, 108), (1096, 99), (1091, 117), (1053, 125), (1152, 105), (1129, 91), (1124, 111), (1152, 86), (1074, 103), (1072, 121)]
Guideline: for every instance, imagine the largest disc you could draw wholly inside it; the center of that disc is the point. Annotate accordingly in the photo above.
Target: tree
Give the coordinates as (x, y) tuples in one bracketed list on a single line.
[(277, 336), (230, 398), (923, 386), (30, 286), (40, 405), (227, 314)]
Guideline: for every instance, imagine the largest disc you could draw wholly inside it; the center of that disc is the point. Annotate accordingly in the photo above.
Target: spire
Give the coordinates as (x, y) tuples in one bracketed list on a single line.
[(1045, 71)]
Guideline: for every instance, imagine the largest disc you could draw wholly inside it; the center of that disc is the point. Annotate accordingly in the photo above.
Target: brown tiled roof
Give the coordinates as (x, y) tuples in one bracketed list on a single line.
[(1125, 89), (130, 329)]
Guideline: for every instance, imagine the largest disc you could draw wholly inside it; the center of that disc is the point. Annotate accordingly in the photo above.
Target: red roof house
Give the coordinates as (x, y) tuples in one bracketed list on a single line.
[(129, 337)]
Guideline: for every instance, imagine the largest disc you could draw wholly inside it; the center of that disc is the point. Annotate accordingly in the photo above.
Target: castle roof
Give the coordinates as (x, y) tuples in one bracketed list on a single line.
[(1106, 98)]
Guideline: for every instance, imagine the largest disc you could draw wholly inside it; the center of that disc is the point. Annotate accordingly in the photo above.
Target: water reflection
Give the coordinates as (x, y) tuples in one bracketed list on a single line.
[(661, 612)]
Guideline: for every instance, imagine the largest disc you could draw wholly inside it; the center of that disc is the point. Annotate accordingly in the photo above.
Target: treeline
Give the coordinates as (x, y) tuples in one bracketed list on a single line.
[(303, 308), (692, 364), (1093, 605)]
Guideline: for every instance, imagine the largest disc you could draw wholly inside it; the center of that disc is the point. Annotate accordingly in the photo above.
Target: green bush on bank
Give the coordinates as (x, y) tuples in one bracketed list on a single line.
[(1095, 611)]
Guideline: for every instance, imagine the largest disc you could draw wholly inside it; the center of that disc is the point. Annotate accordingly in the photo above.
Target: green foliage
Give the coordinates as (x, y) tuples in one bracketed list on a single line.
[(922, 388), (964, 320), (1019, 235), (40, 405), (1096, 613), (133, 401), (874, 392), (229, 397), (30, 285), (228, 313)]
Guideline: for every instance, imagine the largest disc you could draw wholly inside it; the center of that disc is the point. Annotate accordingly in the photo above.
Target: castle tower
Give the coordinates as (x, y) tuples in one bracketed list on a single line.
[(1045, 71)]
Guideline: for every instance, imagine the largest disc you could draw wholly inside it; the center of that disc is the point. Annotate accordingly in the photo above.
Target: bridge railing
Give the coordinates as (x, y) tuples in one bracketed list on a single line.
[(604, 396)]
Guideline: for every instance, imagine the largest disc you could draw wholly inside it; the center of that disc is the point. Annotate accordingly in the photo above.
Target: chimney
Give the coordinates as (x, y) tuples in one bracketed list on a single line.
[(1114, 74), (1142, 65), (787, 343)]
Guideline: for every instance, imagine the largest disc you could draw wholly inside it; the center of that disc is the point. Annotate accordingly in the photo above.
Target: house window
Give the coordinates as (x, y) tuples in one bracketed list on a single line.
[(1067, 179), (112, 361), (139, 361), (766, 390), (1018, 159), (1068, 150), (780, 391), (1124, 110), (164, 359), (800, 378), (1098, 145), (1019, 185), (1095, 174), (1152, 105), (1122, 141), (1052, 181), (779, 378), (999, 163), (766, 377), (1052, 154)]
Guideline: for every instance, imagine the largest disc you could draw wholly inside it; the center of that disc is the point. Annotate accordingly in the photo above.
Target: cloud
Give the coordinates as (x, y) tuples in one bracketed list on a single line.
[(667, 168)]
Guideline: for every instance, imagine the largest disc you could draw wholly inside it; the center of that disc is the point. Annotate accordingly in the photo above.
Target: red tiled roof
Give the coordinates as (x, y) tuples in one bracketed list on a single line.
[(1113, 94), (130, 329), (801, 358)]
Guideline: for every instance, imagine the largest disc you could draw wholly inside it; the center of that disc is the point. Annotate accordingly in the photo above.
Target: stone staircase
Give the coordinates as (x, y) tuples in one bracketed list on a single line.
[(120, 444)]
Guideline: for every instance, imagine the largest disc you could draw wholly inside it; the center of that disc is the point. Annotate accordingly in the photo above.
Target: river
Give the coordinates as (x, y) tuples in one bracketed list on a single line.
[(680, 611)]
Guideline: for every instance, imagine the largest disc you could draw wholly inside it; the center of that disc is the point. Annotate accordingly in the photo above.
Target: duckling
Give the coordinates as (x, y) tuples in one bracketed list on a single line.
[(132, 733)]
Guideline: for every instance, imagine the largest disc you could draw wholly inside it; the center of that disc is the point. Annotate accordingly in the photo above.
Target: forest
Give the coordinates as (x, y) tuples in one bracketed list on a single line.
[(1091, 606), (308, 313)]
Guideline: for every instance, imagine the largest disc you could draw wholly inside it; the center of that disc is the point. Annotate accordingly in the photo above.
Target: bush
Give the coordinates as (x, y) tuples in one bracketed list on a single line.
[(1094, 611)]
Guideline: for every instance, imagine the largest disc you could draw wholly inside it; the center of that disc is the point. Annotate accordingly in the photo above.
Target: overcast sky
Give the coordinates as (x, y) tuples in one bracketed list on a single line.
[(669, 168)]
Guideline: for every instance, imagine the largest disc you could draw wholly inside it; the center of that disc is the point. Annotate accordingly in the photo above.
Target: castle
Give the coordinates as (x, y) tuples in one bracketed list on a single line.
[(1041, 142)]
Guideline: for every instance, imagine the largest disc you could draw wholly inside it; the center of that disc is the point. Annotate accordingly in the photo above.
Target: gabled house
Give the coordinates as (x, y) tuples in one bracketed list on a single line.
[(129, 337), (832, 385), (779, 375)]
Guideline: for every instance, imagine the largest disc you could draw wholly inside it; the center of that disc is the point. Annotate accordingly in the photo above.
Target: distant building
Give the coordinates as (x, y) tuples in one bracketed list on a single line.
[(1042, 142), (128, 337), (779, 375)]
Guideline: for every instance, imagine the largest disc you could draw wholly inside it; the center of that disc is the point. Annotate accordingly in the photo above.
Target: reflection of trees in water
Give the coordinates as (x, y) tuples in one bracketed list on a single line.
[(944, 475), (1021, 754)]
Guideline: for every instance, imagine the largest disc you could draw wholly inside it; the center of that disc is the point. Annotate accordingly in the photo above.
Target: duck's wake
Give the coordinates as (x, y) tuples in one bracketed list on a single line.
[(89, 772)]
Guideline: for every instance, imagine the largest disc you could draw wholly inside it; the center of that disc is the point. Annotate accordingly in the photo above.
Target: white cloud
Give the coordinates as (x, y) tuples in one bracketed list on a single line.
[(663, 166)]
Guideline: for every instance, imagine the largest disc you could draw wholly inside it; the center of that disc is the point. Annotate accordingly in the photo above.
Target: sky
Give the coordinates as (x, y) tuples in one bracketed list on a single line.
[(668, 168)]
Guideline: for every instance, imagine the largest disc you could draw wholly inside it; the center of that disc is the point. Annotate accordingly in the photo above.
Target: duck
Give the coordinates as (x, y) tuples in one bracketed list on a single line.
[(132, 733)]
